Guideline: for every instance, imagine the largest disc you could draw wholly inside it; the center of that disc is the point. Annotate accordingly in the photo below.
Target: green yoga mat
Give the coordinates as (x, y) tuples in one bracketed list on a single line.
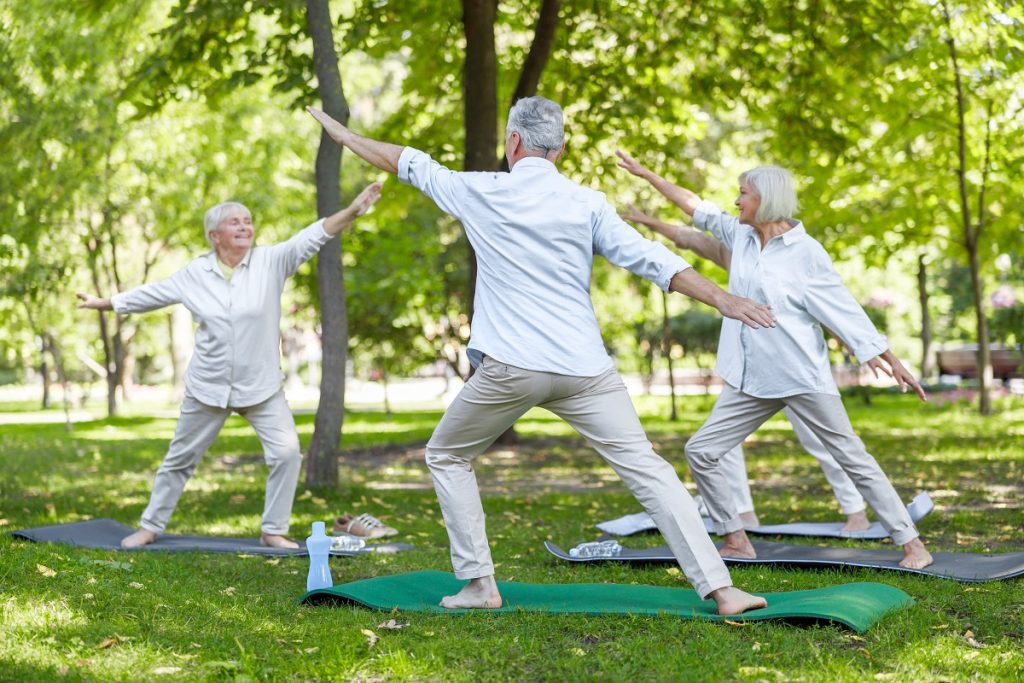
[(856, 605)]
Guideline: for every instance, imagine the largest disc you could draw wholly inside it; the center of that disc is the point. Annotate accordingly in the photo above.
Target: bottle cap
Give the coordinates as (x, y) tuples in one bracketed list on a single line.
[(318, 529)]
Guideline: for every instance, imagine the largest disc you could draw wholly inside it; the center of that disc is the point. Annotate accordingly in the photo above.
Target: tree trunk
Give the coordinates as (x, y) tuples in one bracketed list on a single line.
[(44, 372), (984, 360), (926, 320), (58, 366), (322, 459), (666, 344)]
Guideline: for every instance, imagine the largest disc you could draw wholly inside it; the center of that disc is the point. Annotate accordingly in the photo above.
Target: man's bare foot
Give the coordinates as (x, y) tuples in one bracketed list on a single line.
[(915, 556), (275, 541), (750, 520), (138, 539), (858, 521), (732, 600), (480, 593), (738, 545)]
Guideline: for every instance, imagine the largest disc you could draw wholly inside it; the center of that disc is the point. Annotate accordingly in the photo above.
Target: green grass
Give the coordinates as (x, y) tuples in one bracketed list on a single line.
[(95, 615)]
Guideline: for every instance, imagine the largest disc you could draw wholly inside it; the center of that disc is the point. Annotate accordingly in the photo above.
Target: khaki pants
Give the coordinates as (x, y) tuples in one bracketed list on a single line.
[(598, 408), (736, 415), (735, 466), (198, 425)]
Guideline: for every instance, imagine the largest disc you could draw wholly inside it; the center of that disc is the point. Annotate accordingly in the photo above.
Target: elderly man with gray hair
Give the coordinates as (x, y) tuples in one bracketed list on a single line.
[(234, 295), (774, 260), (536, 340)]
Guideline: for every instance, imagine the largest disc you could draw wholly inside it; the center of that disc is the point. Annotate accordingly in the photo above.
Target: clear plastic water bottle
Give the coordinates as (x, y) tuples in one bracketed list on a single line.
[(347, 543), (609, 548), (319, 547)]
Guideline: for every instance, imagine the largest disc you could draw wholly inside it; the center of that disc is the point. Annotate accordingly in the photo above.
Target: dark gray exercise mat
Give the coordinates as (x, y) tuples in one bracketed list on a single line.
[(107, 534), (920, 506), (970, 567)]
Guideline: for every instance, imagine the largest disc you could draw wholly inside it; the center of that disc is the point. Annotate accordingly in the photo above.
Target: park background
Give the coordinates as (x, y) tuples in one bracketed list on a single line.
[(123, 121)]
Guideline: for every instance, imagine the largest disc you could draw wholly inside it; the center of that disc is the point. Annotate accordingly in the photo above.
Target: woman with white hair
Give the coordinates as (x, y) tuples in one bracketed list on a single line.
[(234, 296), (776, 262)]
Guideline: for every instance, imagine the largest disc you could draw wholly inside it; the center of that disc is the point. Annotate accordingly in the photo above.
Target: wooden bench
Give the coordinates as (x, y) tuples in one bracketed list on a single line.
[(1006, 363)]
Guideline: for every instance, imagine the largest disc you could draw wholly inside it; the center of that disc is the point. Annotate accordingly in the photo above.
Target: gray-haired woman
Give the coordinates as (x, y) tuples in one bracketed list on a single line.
[(234, 295), (775, 261)]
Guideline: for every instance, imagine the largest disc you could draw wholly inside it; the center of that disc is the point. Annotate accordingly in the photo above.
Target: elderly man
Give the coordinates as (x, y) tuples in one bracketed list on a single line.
[(234, 295), (536, 340)]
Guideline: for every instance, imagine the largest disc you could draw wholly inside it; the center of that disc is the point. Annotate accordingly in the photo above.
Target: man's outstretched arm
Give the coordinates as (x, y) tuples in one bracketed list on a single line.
[(383, 155), (696, 286)]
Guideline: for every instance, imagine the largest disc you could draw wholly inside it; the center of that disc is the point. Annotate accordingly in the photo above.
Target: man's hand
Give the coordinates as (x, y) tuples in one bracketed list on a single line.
[(747, 311), (367, 198), (93, 302), (334, 129), (630, 164), (876, 366), (634, 215)]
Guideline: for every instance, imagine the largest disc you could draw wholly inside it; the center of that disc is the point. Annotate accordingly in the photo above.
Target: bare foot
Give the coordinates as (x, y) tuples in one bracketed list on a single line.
[(750, 520), (481, 593), (915, 556), (732, 600), (274, 541), (858, 521), (738, 545), (138, 539)]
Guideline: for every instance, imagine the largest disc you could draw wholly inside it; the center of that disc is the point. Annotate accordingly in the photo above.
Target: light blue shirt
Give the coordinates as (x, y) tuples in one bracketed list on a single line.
[(535, 233), (237, 356), (795, 275)]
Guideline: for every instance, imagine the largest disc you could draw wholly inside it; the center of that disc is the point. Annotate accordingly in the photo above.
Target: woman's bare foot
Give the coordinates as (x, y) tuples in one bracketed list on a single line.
[(732, 600), (738, 545), (915, 556), (857, 521), (275, 541), (480, 593), (138, 539), (750, 520)]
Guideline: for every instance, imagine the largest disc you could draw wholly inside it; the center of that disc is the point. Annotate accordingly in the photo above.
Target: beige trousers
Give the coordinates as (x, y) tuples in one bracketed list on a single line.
[(198, 426), (736, 415), (599, 409)]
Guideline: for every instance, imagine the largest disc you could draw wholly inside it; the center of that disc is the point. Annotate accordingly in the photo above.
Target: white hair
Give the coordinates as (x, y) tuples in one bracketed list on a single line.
[(538, 121), (774, 185), (215, 214)]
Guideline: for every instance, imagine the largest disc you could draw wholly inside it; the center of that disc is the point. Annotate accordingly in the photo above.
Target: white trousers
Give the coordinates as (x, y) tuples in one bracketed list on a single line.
[(734, 462), (599, 408), (736, 415), (198, 426)]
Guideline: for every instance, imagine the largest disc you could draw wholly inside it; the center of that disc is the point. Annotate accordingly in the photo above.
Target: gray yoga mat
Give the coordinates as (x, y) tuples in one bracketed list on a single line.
[(107, 534), (920, 506), (969, 567)]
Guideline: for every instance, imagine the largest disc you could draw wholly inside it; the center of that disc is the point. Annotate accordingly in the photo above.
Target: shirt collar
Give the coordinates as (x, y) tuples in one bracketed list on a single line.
[(795, 233), (211, 260), (533, 162)]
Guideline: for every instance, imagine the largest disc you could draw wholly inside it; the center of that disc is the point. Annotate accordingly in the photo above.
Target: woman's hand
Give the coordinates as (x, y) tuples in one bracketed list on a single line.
[(899, 373), (634, 215), (93, 302), (632, 165), (367, 198)]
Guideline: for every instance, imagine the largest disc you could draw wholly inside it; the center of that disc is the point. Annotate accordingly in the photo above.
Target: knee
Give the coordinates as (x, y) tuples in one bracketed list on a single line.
[(440, 459), (287, 454), (700, 453)]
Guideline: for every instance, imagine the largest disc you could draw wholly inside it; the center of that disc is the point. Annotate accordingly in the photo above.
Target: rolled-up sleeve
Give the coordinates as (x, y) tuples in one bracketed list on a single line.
[(707, 216), (441, 184), (829, 302), (149, 297), (623, 246), (299, 248)]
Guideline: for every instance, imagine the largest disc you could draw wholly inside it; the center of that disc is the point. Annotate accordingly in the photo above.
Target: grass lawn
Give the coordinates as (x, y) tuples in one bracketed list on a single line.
[(79, 614)]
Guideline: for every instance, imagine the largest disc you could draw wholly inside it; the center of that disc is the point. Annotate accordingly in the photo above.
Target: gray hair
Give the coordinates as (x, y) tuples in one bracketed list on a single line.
[(774, 185), (538, 121), (215, 214)]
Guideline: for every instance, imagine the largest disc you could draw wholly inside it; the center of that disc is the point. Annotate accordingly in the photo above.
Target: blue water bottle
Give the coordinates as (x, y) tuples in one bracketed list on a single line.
[(319, 547)]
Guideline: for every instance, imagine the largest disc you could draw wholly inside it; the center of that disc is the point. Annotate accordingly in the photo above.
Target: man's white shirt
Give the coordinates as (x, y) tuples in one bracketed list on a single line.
[(535, 234)]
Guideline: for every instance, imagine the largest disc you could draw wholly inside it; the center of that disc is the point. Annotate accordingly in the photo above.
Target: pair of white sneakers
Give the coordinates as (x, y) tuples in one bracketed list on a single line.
[(362, 526)]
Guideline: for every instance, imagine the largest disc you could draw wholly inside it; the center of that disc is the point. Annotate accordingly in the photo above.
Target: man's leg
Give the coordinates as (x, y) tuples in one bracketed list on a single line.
[(850, 501), (600, 409), (825, 415), (494, 398), (275, 425), (734, 417), (735, 465), (198, 425)]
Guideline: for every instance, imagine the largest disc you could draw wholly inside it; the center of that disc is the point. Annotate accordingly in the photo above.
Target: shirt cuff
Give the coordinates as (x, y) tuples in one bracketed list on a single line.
[(869, 350), (320, 235), (118, 303), (669, 271), (704, 210), (404, 162)]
